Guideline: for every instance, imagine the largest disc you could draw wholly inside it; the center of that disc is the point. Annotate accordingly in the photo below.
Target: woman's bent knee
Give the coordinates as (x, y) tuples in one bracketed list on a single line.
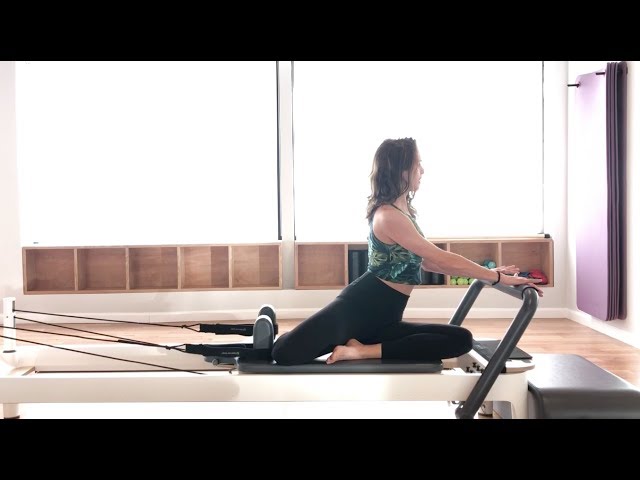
[(465, 341), (284, 352)]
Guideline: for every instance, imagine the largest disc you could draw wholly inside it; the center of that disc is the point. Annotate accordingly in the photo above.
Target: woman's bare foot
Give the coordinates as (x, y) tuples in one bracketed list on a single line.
[(354, 350)]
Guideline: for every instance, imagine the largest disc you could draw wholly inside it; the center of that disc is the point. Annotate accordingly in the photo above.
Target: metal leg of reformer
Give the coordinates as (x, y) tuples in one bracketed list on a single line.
[(496, 365)]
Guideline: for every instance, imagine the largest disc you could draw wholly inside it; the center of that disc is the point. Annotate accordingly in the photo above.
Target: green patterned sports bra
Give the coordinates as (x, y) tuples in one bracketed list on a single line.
[(394, 262)]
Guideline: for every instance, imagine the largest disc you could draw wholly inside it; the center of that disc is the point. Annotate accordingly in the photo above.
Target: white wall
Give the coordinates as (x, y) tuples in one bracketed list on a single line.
[(627, 330), (290, 303), (10, 256)]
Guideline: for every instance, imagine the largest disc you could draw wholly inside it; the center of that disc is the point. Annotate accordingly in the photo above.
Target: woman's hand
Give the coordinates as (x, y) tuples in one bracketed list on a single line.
[(508, 270), (507, 278)]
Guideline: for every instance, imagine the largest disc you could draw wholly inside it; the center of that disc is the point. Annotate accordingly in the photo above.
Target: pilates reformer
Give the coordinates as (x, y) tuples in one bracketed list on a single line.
[(134, 371)]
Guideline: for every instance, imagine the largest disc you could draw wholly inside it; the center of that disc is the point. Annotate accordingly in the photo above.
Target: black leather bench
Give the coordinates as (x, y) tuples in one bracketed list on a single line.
[(570, 386)]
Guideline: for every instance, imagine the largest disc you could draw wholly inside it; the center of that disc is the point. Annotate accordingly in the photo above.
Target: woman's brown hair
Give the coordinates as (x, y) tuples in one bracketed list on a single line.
[(392, 157)]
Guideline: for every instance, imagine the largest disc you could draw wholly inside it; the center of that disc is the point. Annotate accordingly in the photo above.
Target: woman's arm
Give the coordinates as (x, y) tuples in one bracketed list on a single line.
[(397, 227)]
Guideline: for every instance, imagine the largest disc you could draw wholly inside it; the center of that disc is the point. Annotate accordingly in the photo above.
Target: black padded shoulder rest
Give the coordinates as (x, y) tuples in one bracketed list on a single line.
[(570, 386)]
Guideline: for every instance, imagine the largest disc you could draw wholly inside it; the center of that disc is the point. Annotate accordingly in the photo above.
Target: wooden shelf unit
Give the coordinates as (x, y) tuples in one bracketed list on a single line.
[(151, 268), (325, 265)]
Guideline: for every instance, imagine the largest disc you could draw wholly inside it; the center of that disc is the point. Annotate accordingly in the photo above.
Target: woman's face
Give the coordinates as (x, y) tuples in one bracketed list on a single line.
[(416, 174)]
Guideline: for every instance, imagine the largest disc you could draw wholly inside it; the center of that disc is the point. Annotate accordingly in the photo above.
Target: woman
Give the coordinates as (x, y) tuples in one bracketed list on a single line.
[(365, 319)]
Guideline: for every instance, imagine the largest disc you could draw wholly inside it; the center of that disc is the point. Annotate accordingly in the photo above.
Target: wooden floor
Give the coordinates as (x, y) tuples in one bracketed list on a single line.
[(542, 336)]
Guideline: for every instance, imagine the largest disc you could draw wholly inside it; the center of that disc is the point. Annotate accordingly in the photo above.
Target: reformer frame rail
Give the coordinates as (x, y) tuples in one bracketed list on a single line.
[(468, 408)]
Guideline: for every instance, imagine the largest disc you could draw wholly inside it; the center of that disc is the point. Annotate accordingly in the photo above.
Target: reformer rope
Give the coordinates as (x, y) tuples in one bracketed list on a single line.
[(188, 327), (118, 339), (113, 338)]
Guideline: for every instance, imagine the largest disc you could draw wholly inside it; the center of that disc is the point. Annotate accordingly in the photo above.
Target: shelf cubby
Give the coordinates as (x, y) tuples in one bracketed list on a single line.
[(529, 255), (321, 265), (102, 269), (153, 268), (477, 251), (205, 267), (256, 266), (49, 270)]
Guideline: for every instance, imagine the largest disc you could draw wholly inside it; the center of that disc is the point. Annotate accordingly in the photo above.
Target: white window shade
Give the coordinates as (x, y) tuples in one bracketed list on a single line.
[(479, 131), (121, 153)]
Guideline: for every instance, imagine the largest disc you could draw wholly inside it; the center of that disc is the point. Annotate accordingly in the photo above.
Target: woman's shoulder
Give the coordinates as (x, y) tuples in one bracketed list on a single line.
[(383, 214), (385, 210), (387, 217)]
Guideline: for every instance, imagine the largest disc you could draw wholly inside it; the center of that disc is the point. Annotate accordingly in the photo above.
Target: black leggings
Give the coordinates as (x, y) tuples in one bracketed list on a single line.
[(371, 312)]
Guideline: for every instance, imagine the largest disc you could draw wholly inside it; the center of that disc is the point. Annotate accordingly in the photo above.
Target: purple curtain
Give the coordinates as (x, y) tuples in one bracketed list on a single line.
[(616, 75), (600, 149)]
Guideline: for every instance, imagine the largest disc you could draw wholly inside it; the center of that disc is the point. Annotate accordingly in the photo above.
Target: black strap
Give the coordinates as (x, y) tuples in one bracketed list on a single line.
[(245, 329), (244, 351)]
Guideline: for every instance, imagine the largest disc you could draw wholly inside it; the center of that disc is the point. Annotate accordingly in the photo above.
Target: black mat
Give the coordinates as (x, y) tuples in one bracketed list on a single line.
[(347, 366), (487, 348)]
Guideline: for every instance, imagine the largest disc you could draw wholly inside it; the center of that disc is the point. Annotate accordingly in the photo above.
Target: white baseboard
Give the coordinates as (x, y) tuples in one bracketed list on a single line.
[(607, 328)]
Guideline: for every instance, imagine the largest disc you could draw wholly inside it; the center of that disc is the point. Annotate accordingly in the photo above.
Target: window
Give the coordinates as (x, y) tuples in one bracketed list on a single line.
[(479, 130), (121, 153)]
